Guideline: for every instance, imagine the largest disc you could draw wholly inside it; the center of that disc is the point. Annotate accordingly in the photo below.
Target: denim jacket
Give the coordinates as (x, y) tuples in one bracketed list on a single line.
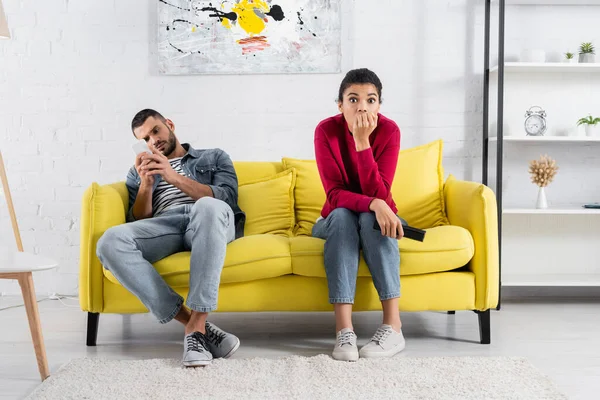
[(212, 167)]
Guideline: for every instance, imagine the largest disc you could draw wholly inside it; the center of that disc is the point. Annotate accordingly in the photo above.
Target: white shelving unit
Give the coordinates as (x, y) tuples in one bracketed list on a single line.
[(555, 246)]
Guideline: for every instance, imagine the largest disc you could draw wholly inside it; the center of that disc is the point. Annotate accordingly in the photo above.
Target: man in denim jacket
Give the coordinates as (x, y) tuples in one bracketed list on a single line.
[(180, 199)]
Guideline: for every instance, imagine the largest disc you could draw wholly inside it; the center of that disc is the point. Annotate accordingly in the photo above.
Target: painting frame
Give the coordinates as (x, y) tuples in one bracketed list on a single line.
[(249, 37)]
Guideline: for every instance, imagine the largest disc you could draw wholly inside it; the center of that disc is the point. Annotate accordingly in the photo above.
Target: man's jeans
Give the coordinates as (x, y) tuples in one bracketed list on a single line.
[(346, 233), (129, 250)]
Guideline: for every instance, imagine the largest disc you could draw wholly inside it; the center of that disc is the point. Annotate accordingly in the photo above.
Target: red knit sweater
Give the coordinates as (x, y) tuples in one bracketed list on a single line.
[(352, 179)]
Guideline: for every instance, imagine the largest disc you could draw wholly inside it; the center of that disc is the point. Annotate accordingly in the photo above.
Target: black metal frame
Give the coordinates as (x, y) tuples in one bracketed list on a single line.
[(499, 123)]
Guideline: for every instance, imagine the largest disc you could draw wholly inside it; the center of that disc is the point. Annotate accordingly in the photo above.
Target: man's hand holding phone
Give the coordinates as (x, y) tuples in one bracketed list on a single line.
[(142, 152), (147, 178), (157, 164)]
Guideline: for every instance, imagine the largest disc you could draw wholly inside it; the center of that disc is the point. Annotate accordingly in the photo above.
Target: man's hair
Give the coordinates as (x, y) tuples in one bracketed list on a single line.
[(143, 115), (359, 76)]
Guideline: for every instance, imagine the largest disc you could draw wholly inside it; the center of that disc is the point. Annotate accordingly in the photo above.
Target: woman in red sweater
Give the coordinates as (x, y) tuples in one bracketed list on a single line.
[(356, 153)]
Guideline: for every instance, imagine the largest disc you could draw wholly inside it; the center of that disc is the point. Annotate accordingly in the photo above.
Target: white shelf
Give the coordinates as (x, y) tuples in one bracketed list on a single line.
[(578, 139), (550, 280), (570, 210), (551, 2), (548, 67)]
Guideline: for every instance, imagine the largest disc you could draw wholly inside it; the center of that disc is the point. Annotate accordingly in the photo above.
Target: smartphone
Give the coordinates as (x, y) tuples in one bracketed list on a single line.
[(140, 147)]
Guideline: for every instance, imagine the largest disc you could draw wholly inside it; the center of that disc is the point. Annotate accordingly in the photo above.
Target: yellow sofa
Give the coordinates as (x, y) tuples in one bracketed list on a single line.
[(278, 266)]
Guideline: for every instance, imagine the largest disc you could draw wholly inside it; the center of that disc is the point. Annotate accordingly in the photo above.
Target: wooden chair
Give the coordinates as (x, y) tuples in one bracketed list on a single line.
[(22, 271)]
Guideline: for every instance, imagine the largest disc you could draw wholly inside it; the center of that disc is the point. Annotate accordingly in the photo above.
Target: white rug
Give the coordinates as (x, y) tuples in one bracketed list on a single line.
[(296, 377)]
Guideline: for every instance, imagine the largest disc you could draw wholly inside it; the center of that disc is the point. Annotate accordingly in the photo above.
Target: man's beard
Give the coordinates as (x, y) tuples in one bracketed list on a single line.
[(171, 144)]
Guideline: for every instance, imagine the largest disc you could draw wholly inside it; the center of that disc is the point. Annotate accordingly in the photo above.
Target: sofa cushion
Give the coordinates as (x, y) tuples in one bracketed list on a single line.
[(248, 171), (248, 258), (269, 204), (418, 186), (445, 248), (309, 194)]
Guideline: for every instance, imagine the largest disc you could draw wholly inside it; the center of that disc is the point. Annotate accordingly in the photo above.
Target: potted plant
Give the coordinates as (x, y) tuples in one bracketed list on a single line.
[(586, 53), (570, 58), (591, 125)]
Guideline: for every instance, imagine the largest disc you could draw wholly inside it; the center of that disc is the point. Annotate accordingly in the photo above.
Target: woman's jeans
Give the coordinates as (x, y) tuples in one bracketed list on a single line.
[(204, 228), (345, 233)]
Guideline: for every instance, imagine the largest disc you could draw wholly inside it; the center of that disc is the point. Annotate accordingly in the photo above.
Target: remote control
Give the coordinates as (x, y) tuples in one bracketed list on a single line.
[(593, 205), (409, 232)]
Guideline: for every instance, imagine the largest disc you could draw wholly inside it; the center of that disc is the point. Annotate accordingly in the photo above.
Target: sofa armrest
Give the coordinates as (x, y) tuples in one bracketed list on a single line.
[(103, 206), (473, 206)]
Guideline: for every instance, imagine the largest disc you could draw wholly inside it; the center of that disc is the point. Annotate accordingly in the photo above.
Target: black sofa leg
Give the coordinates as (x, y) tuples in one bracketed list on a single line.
[(451, 312), (484, 326), (92, 328)]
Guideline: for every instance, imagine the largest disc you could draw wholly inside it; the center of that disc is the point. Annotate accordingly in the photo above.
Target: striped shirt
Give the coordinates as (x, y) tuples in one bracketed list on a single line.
[(166, 195)]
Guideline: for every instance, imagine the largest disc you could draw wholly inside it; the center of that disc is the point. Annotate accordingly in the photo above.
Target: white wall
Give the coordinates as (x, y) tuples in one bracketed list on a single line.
[(75, 72)]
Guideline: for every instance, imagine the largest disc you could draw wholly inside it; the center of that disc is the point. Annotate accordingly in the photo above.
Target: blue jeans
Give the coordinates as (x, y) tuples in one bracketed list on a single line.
[(204, 228), (345, 233)]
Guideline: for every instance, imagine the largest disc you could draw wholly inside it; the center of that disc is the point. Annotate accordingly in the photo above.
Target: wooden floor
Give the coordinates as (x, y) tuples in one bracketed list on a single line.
[(561, 338)]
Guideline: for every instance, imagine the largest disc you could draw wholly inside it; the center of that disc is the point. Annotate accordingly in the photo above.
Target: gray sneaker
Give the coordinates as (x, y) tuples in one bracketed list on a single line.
[(220, 343), (345, 349), (386, 342), (195, 350)]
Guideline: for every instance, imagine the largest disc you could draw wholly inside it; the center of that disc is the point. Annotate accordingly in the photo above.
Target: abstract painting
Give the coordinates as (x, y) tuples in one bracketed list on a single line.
[(249, 36)]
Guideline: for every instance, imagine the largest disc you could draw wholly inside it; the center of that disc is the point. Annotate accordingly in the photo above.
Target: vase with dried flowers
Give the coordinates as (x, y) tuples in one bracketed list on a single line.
[(542, 173)]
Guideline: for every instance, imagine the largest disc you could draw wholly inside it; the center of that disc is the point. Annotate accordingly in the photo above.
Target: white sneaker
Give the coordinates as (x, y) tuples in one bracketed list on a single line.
[(386, 342), (345, 349), (195, 350)]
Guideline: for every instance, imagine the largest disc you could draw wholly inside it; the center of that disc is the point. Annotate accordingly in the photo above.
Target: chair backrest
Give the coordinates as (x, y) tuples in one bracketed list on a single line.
[(11, 208)]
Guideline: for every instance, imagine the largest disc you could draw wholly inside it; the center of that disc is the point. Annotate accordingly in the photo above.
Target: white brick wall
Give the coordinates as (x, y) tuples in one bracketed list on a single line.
[(75, 72)]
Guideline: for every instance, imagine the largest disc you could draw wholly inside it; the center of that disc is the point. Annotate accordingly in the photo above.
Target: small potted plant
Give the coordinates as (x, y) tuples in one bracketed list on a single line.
[(591, 125), (586, 53), (570, 58)]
